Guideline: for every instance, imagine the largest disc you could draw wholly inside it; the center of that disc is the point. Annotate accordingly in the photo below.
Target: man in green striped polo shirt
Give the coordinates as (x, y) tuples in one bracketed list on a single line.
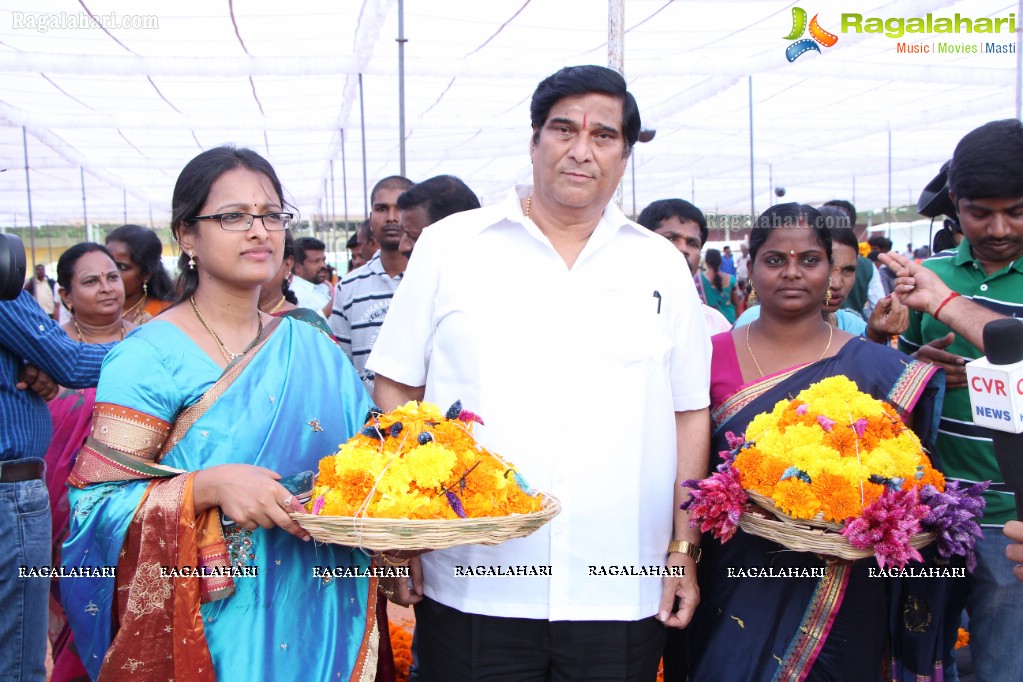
[(980, 281)]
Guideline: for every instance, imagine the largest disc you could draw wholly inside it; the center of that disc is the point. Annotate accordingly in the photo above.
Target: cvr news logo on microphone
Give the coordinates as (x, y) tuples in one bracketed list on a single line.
[(996, 386)]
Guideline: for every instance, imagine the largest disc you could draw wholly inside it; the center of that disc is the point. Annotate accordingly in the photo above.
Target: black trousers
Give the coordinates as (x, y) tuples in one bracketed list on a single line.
[(456, 647)]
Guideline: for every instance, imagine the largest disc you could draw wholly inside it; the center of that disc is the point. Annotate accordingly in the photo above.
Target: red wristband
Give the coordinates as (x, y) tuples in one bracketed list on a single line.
[(941, 305)]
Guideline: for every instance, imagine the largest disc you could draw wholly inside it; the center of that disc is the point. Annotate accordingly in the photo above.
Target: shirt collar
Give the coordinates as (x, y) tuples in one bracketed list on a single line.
[(611, 221), (964, 257)]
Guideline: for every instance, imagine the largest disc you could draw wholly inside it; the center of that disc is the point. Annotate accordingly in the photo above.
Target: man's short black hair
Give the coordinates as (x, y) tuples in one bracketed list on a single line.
[(846, 206), (583, 80), (988, 162), (304, 244), (653, 215), (441, 196), (390, 182)]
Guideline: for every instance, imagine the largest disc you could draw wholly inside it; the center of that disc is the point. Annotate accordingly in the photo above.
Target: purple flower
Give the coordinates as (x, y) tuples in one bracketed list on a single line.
[(954, 516), (455, 503), (860, 426), (319, 503), (887, 525), (825, 422), (716, 503), (802, 409)]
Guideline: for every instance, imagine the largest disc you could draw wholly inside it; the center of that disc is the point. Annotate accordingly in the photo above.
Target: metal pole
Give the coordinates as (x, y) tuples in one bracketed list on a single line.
[(692, 190), (1019, 59), (28, 190), (85, 213), (344, 179), (401, 84), (365, 179), (854, 190), (616, 61), (889, 174), (752, 196), (632, 164), (124, 196), (770, 184)]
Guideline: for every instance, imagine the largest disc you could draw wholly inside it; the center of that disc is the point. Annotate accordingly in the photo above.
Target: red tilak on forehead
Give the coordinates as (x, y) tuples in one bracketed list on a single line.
[(584, 121)]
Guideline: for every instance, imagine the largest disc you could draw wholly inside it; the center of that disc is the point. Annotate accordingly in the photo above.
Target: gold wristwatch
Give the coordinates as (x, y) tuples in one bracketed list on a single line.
[(685, 547)]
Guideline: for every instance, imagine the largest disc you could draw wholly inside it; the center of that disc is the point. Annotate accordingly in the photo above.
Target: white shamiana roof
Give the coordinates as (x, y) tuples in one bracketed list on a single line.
[(127, 104)]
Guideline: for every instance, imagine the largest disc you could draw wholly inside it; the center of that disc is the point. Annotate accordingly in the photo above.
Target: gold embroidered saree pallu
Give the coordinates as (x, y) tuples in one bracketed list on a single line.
[(133, 508)]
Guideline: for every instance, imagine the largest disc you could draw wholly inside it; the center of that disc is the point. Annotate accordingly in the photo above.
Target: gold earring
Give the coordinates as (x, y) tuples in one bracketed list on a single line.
[(752, 298), (145, 288), (827, 295)]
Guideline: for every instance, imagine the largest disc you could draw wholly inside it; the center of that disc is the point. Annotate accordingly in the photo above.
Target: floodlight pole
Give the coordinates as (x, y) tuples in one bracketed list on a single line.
[(28, 190), (85, 213), (752, 193), (401, 84), (344, 182), (889, 176), (124, 198), (365, 179), (616, 61), (1019, 59)]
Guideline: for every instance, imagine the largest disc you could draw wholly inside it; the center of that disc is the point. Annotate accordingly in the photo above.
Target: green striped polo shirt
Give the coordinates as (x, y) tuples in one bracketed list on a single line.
[(964, 448)]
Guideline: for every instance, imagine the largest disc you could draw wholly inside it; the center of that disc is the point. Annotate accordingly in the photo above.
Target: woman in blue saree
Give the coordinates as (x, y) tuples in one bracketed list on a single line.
[(180, 476), (847, 625)]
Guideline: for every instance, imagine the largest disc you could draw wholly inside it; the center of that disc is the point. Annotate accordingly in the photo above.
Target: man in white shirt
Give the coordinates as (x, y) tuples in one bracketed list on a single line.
[(685, 227), (592, 379), (310, 272)]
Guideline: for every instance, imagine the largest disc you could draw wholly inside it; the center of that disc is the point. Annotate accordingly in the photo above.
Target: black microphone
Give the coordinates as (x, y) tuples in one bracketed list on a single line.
[(996, 398)]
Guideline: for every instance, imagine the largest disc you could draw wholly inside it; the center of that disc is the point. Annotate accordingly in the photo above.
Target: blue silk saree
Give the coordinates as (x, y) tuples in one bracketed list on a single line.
[(847, 625), (285, 407)]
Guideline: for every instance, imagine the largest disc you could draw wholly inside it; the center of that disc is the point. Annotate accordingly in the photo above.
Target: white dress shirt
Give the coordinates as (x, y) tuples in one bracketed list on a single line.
[(577, 373)]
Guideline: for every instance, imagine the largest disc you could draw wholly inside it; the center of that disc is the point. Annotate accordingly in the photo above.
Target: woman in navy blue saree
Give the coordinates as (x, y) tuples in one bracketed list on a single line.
[(846, 625)]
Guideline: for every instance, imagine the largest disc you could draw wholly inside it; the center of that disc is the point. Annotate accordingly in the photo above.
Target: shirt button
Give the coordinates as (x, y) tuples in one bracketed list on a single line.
[(983, 287)]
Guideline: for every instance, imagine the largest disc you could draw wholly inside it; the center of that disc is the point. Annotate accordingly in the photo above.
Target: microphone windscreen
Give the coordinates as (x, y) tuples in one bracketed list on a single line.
[(1003, 341)]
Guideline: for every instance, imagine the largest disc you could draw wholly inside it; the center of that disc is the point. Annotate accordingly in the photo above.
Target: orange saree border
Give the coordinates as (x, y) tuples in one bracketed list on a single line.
[(149, 604)]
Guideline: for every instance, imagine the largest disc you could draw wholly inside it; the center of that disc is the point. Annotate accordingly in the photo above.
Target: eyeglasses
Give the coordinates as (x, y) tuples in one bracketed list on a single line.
[(242, 222)]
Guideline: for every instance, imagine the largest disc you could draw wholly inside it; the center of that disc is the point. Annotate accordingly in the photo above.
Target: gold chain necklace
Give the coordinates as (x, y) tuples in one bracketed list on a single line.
[(277, 307), (831, 332), (529, 203), (229, 356), (81, 336), (133, 312)]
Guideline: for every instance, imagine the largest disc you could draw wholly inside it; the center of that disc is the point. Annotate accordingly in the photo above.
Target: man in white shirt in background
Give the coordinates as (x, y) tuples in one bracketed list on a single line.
[(592, 378), (310, 272), (685, 227)]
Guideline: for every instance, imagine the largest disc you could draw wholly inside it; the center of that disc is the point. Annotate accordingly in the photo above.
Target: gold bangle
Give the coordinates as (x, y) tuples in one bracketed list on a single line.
[(685, 547)]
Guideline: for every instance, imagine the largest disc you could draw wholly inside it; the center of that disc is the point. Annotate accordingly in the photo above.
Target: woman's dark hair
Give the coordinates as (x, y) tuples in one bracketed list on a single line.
[(192, 189), (289, 251), (583, 80), (146, 251), (713, 260), (789, 216), (67, 261)]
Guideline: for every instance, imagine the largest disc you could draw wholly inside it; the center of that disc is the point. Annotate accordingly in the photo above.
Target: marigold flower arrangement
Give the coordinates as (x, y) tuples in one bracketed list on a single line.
[(836, 455), (416, 462)]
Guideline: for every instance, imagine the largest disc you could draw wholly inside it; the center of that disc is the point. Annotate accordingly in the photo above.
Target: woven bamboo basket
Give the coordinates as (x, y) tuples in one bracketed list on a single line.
[(816, 536), (394, 534)]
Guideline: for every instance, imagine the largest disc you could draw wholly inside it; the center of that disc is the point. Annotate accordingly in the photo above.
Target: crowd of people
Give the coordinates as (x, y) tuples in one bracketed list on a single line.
[(161, 482)]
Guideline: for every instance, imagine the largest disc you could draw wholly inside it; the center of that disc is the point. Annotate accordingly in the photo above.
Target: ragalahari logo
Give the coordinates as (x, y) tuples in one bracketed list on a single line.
[(817, 35)]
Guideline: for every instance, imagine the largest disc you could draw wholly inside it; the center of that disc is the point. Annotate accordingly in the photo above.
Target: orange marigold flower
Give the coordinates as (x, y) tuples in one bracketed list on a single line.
[(795, 498)]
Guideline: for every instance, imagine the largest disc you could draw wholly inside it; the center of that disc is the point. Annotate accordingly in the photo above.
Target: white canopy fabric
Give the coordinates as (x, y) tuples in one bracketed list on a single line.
[(128, 104)]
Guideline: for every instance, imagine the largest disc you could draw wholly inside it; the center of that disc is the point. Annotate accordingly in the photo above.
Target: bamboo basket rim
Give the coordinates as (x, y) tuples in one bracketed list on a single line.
[(378, 534), (816, 536)]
